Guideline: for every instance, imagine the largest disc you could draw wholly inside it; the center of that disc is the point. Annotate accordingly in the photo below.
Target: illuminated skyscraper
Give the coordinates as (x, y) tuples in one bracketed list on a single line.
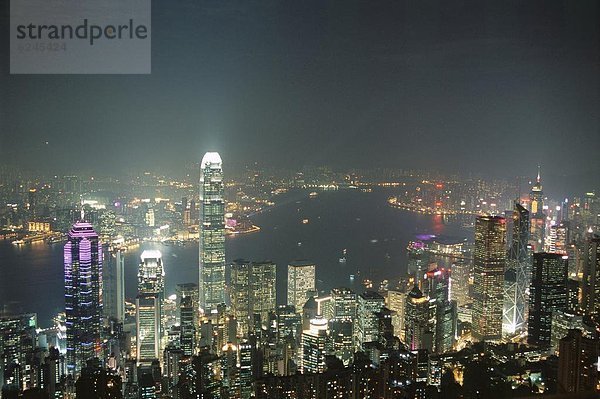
[(437, 285), (489, 263), (212, 233), (367, 323), (147, 319), (114, 287), (301, 283), (537, 216), (591, 274), (548, 293), (419, 324), (314, 346), (343, 304), (396, 302), (151, 274), (252, 293), (518, 275), (187, 303), (83, 296)]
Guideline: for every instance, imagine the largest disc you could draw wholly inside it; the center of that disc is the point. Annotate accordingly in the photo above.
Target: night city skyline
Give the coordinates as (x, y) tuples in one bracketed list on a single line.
[(299, 200)]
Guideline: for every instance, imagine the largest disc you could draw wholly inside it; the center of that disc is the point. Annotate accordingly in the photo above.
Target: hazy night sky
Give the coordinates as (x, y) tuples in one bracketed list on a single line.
[(493, 87)]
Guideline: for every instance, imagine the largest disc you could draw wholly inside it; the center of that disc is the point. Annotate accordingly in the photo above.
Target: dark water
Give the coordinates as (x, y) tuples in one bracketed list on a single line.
[(374, 234)]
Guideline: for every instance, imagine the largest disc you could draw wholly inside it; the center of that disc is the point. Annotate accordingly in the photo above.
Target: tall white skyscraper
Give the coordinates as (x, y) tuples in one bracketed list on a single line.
[(212, 233), (151, 291), (151, 273), (301, 283)]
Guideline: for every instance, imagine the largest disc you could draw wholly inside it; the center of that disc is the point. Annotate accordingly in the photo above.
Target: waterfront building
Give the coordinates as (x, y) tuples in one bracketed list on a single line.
[(301, 283), (212, 233)]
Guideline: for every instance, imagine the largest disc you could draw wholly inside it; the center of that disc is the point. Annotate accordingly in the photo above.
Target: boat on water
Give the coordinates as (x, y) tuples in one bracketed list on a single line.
[(18, 242), (313, 194)]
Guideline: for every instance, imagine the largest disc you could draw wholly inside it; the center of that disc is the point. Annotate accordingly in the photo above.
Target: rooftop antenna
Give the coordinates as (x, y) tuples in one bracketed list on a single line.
[(539, 175), (82, 212)]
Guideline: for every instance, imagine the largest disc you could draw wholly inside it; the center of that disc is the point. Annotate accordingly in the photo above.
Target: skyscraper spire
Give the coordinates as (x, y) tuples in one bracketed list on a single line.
[(539, 177)]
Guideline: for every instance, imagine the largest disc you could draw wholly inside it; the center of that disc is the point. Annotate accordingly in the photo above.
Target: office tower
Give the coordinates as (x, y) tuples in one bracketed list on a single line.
[(230, 374), (591, 274), (437, 288), (367, 325), (246, 362), (419, 321), (418, 259), (577, 363), (253, 292), (212, 233), (114, 287), (518, 273), (537, 216), (343, 316), (54, 370), (459, 282), (396, 302), (572, 295), (510, 311), (83, 296), (547, 293), (17, 342), (288, 323), (263, 283), (188, 320), (147, 317), (343, 303), (301, 283), (314, 346), (559, 238), (240, 295), (151, 274), (489, 263)]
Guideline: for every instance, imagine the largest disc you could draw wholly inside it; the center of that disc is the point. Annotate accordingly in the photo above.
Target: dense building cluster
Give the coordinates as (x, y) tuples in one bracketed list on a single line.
[(515, 313)]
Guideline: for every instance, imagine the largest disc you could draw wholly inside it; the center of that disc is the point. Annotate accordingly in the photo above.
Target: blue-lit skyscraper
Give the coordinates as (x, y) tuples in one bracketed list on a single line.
[(212, 233), (83, 298)]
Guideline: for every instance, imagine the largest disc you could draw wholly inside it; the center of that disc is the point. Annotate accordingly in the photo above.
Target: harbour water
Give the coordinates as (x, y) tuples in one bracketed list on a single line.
[(318, 228)]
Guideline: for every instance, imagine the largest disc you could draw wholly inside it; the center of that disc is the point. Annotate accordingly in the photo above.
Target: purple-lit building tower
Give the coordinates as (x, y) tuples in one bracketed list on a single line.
[(83, 295)]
